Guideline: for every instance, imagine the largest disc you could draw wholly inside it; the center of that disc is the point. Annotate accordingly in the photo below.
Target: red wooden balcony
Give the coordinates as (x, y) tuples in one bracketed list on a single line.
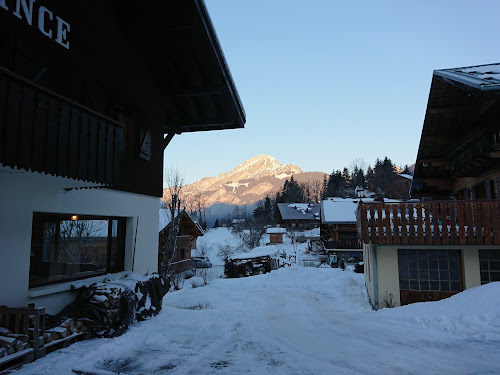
[(430, 223)]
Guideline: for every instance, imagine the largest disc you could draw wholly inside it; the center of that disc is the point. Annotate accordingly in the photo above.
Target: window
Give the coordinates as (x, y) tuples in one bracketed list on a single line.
[(430, 270), (70, 247), (489, 265)]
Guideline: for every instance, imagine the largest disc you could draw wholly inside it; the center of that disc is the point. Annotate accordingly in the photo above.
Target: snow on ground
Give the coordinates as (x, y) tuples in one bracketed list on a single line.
[(295, 321)]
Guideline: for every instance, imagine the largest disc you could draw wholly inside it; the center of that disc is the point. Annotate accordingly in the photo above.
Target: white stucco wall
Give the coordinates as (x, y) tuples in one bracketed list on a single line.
[(22, 193), (388, 270)]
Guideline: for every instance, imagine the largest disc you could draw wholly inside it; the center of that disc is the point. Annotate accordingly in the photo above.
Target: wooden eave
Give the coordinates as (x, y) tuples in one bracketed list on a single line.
[(454, 112), (198, 91)]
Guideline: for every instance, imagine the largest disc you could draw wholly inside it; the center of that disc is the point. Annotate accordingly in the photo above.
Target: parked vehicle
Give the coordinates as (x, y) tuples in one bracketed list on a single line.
[(201, 262)]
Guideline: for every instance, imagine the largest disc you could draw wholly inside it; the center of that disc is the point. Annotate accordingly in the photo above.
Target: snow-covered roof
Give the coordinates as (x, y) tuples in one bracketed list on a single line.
[(339, 210), (313, 233), (166, 218), (299, 211), (481, 77), (275, 230), (260, 251), (407, 176)]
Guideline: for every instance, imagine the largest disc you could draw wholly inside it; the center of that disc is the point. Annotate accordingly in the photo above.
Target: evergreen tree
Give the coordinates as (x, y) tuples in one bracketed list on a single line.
[(216, 224)]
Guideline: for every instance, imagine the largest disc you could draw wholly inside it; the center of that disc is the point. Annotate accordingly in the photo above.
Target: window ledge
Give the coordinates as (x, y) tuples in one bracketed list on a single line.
[(64, 287)]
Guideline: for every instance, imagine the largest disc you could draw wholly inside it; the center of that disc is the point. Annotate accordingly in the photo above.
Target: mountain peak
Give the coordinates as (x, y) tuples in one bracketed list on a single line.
[(247, 183)]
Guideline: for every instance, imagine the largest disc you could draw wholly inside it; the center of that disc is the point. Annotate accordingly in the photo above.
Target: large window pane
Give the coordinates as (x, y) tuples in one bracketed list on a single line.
[(435, 270), (70, 247), (489, 263)]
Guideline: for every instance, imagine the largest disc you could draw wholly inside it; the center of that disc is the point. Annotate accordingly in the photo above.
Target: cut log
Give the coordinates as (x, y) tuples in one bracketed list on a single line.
[(3, 352), (19, 337), (58, 332), (4, 331), (69, 324), (48, 337), (6, 341)]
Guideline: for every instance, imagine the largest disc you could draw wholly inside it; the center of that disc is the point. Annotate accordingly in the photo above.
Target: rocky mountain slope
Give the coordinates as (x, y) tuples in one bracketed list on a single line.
[(248, 183)]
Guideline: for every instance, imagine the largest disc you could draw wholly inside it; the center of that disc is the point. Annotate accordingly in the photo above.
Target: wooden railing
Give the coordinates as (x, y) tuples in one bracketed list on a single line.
[(430, 223), (43, 131)]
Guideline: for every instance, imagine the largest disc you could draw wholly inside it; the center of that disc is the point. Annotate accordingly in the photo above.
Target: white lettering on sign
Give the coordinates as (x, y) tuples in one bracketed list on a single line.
[(41, 20), (24, 10), (62, 30), (28, 10)]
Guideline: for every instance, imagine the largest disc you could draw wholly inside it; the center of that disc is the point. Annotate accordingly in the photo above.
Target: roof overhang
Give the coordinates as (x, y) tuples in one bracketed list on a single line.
[(461, 103), (196, 85)]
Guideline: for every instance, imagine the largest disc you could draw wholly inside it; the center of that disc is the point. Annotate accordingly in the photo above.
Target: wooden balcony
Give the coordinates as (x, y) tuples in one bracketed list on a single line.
[(473, 150), (430, 223), (43, 131)]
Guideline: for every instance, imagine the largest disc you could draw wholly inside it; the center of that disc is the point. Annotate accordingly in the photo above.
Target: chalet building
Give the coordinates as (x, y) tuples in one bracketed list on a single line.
[(189, 231), (297, 216), (90, 96), (450, 240), (338, 229)]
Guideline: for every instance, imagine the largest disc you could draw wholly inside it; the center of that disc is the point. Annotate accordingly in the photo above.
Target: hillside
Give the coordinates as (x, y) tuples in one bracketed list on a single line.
[(248, 183)]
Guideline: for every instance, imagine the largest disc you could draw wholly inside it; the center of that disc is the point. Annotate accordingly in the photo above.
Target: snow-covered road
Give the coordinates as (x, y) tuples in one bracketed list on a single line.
[(295, 321)]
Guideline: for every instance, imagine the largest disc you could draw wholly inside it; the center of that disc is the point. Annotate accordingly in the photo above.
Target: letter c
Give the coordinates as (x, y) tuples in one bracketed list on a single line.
[(41, 20)]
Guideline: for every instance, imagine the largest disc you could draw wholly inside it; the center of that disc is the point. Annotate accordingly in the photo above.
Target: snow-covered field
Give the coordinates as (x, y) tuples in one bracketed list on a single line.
[(295, 321)]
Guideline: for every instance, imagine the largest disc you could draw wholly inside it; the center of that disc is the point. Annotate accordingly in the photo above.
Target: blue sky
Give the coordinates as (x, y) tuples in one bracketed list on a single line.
[(325, 82)]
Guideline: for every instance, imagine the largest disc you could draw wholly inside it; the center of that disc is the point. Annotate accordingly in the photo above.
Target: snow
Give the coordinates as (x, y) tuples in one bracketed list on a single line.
[(295, 321), (339, 211), (275, 230), (260, 251), (215, 237)]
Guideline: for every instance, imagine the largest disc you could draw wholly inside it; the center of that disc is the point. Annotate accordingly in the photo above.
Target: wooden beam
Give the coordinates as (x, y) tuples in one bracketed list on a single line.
[(167, 139)]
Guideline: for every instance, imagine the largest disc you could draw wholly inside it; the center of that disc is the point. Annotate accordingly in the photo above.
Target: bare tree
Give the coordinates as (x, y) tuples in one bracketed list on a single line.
[(173, 202)]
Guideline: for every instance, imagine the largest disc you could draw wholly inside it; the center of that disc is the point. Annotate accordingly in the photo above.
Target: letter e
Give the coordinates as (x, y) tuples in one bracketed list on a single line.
[(63, 29)]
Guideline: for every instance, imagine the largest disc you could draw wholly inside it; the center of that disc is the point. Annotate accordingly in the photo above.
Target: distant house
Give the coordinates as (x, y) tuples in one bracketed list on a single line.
[(298, 215), (275, 235), (338, 228), (189, 231), (450, 241)]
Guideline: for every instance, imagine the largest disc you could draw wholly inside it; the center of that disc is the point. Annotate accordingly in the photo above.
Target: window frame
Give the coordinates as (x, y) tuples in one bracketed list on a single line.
[(115, 261), (486, 257)]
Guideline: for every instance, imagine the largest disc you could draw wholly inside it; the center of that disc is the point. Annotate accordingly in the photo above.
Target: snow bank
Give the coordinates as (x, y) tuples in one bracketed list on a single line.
[(474, 313)]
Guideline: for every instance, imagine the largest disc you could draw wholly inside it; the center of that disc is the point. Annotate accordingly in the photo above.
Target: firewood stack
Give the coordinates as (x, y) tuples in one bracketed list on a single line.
[(11, 343)]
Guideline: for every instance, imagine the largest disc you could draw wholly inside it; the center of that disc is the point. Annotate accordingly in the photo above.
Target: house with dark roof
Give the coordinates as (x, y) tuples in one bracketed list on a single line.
[(298, 216), (189, 231), (338, 230), (450, 240), (90, 96)]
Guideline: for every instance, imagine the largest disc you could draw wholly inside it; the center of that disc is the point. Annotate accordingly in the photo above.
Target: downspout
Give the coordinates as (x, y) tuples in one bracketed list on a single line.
[(375, 277)]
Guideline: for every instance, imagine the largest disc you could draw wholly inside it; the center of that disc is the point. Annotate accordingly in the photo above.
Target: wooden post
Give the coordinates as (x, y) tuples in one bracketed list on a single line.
[(478, 222), (435, 218), (411, 220), (379, 223), (461, 223), (420, 225), (470, 223), (404, 232), (444, 223), (388, 230), (486, 222), (453, 223), (428, 231), (495, 220)]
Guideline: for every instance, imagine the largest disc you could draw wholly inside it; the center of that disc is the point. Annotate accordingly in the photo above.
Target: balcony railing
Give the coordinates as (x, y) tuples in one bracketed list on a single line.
[(43, 131), (430, 223), (474, 146)]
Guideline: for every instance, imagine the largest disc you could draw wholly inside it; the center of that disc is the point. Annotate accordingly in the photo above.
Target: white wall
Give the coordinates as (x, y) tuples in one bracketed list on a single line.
[(387, 268), (22, 193)]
